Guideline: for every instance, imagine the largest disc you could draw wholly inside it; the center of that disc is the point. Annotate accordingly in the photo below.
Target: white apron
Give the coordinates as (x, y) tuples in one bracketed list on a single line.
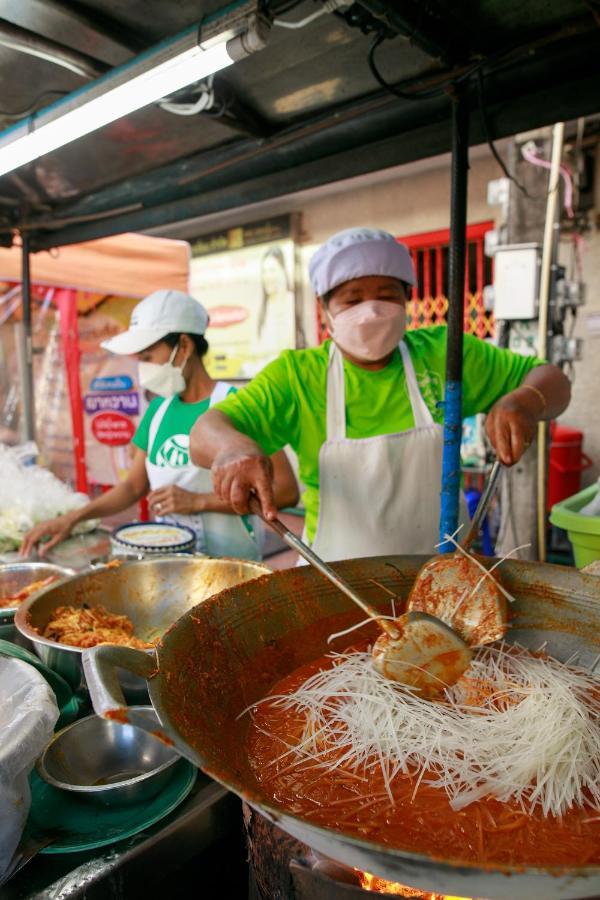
[(378, 495), (217, 534)]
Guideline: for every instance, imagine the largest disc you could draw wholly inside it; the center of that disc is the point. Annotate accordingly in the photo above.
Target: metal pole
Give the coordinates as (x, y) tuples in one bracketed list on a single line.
[(451, 468), (27, 399), (548, 253)]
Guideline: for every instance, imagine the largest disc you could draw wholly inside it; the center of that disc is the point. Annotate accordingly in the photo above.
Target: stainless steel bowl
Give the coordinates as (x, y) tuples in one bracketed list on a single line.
[(108, 763), (16, 576), (154, 593)]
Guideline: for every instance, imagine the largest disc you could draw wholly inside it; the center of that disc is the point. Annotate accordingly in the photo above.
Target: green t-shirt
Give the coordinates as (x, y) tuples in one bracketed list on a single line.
[(171, 445), (285, 403)]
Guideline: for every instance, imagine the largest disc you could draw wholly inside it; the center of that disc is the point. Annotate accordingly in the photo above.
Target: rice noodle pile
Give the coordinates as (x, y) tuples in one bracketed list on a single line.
[(30, 494), (516, 726)]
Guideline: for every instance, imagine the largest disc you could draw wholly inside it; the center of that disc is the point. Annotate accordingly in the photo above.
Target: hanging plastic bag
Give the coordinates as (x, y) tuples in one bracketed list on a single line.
[(27, 453), (28, 714), (30, 494)]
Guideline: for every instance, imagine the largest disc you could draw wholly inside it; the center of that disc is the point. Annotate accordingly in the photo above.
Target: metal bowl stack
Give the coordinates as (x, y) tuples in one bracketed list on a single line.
[(108, 763)]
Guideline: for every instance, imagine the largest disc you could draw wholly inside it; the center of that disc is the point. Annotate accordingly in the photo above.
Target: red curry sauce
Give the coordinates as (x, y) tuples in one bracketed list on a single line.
[(486, 832)]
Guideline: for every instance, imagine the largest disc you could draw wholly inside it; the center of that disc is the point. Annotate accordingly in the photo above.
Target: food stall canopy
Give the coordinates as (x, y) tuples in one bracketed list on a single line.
[(312, 107), (130, 265), (81, 295)]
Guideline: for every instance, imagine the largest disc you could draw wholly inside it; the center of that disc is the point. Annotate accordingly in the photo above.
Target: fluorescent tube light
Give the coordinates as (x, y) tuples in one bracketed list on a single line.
[(119, 93)]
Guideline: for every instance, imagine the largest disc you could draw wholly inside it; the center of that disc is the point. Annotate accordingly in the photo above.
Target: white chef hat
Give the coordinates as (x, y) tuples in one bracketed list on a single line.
[(356, 253)]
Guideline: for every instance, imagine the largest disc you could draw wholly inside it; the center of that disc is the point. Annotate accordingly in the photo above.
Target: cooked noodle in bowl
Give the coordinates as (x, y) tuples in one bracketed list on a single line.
[(88, 626), (21, 594), (504, 768)]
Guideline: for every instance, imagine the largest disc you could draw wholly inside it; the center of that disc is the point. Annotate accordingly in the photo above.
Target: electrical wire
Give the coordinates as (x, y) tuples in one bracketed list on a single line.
[(23, 113), (453, 78), (209, 102), (329, 6), (421, 95), (376, 42), (532, 157), (205, 101), (488, 137), (410, 95)]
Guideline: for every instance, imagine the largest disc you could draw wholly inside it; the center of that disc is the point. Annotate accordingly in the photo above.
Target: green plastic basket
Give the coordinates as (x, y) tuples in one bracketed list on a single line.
[(583, 531)]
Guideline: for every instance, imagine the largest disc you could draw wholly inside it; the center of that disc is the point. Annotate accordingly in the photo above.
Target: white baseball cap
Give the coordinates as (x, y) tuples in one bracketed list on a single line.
[(159, 314), (356, 253)]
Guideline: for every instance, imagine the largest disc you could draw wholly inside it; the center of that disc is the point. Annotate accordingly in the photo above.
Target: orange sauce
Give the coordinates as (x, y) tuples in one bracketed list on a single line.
[(421, 819)]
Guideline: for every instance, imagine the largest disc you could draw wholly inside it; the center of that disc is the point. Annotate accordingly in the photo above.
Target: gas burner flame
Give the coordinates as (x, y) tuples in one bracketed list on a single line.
[(380, 886)]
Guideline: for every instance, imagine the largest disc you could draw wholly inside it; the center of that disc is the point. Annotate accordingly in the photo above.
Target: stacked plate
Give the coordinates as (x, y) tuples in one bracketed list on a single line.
[(152, 539)]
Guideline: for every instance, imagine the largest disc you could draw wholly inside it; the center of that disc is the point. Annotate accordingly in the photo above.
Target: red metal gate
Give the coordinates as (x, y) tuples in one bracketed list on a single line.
[(429, 302)]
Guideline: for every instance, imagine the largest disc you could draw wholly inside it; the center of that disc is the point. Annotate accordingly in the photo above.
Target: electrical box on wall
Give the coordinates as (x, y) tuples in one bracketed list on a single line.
[(523, 338), (516, 281)]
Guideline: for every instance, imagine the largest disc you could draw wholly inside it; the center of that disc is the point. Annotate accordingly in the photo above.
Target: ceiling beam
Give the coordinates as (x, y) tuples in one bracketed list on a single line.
[(528, 111), (348, 127), (432, 30)]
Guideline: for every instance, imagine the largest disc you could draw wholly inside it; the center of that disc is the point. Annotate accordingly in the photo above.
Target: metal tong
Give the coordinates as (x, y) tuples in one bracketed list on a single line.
[(482, 506)]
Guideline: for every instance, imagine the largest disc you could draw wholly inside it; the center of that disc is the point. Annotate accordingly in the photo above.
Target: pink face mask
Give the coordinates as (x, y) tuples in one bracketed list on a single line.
[(369, 330)]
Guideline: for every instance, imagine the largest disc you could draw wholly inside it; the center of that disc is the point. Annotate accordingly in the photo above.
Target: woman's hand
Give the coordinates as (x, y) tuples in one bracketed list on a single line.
[(236, 476), (511, 425), (512, 421), (56, 529), (173, 499)]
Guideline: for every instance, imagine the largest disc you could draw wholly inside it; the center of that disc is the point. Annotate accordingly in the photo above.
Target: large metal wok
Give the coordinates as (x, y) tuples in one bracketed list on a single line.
[(225, 654), (154, 593)]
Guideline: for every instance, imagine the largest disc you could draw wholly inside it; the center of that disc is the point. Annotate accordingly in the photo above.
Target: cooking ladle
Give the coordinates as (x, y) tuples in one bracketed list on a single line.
[(416, 649), (453, 606), (454, 587)]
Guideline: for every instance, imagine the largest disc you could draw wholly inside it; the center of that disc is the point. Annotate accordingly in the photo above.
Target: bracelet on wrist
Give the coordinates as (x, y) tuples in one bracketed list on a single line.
[(539, 394)]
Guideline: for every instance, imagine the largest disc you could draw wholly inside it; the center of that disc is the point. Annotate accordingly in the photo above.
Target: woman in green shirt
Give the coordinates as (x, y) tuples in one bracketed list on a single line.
[(166, 335), (363, 411)]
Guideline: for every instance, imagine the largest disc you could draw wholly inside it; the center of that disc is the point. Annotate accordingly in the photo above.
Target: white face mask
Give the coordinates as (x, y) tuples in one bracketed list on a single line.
[(369, 330), (163, 379)]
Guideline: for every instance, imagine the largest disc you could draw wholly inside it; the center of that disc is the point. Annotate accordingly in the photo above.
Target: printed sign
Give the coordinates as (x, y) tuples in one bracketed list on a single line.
[(112, 383), (275, 229), (125, 403), (113, 429), (109, 388), (245, 278)]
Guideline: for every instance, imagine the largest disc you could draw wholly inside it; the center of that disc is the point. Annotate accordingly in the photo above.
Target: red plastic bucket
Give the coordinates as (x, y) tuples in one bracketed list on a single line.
[(567, 462)]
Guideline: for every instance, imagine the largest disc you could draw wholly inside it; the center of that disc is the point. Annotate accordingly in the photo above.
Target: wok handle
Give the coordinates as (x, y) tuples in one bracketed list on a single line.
[(101, 665)]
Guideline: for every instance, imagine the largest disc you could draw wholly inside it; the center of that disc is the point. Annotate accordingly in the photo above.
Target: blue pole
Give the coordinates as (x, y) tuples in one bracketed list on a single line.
[(451, 466)]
